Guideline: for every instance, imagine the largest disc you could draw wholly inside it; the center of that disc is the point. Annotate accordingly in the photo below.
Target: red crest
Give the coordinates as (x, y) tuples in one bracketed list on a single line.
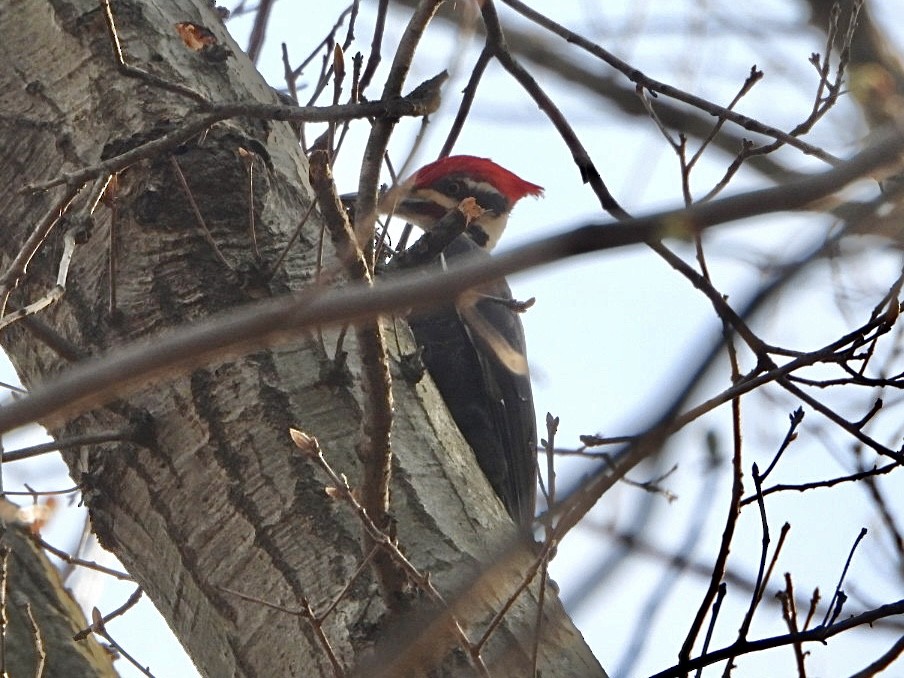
[(481, 169)]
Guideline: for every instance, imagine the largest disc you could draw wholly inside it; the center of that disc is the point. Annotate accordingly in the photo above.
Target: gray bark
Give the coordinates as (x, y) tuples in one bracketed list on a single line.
[(35, 590)]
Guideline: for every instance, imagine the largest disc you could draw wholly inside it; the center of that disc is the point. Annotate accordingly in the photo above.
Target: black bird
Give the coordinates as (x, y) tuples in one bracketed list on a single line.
[(475, 350)]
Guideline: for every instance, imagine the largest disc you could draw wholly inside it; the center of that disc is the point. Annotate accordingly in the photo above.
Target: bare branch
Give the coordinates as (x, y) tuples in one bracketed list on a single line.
[(277, 320), (422, 101)]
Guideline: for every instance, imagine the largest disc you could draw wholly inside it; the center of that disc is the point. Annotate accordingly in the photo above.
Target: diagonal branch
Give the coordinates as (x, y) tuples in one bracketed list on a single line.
[(279, 320)]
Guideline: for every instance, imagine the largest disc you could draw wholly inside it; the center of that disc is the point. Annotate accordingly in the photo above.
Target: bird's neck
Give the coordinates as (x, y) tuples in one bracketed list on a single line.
[(493, 225)]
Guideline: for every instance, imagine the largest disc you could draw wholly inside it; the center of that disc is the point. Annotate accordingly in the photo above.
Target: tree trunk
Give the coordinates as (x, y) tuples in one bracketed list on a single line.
[(36, 599), (206, 497)]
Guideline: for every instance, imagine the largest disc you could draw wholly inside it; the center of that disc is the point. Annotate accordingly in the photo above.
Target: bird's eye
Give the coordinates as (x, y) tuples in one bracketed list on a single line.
[(454, 188)]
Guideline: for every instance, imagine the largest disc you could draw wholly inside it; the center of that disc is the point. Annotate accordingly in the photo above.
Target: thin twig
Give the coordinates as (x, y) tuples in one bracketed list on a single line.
[(378, 140), (641, 79), (717, 607), (307, 613), (882, 662), (309, 446), (248, 161), (467, 100), (588, 170), (763, 573), (285, 251), (374, 58), (835, 603), (789, 613), (199, 218), (831, 482), (37, 638), (36, 493), (526, 578), (140, 73), (259, 29), (55, 292), (72, 560), (131, 602), (796, 418), (552, 427), (737, 488), (34, 241), (99, 628), (819, 634), (68, 444)]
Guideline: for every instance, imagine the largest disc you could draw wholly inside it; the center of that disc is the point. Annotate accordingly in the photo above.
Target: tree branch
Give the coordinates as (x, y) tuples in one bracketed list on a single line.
[(277, 320)]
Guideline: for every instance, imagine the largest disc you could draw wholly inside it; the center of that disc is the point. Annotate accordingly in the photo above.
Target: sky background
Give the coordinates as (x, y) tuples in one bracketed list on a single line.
[(613, 333)]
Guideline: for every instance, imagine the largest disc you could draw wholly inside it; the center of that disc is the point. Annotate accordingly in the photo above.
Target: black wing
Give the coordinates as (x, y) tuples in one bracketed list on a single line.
[(476, 356)]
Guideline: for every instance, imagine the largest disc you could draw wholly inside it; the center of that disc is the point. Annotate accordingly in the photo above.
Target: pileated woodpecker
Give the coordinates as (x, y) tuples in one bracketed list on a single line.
[(475, 351)]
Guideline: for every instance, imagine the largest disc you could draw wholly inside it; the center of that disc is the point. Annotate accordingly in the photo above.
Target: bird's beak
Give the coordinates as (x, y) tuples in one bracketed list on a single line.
[(398, 200), (418, 207), (386, 200)]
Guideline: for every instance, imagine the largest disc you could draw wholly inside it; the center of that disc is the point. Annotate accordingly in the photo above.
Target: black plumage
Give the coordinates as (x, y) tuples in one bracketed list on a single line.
[(476, 354)]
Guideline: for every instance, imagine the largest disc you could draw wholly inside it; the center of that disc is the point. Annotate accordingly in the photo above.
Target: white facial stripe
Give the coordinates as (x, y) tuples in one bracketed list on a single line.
[(492, 223), (493, 226), (480, 186), (435, 196)]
